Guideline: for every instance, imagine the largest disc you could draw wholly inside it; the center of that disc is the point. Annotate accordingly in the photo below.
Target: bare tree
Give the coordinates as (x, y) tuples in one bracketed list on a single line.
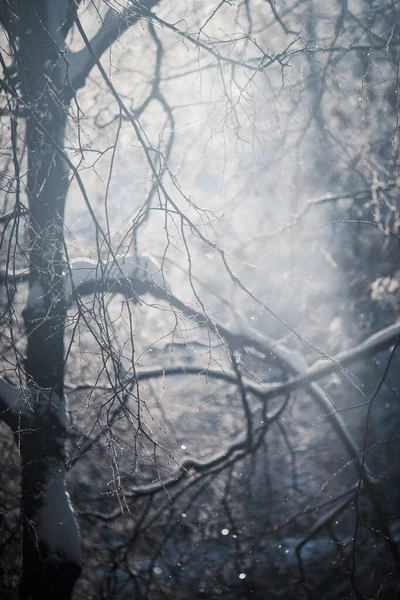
[(65, 64)]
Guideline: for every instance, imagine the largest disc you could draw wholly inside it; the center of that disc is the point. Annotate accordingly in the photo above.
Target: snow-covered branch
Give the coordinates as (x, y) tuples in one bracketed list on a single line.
[(372, 345), (130, 274), (145, 276)]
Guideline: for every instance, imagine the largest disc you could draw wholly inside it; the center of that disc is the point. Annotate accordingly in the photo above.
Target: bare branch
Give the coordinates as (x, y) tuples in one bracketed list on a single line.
[(377, 342), (113, 26)]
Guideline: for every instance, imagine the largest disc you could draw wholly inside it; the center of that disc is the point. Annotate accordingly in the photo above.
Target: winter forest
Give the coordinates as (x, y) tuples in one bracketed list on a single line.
[(199, 299)]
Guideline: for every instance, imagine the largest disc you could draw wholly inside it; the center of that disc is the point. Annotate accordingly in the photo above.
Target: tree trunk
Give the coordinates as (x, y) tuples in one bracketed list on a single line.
[(51, 562)]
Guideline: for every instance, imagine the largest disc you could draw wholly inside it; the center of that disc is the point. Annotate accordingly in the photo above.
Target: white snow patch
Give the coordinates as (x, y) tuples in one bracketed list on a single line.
[(144, 269), (57, 526), (294, 359), (83, 271), (382, 337)]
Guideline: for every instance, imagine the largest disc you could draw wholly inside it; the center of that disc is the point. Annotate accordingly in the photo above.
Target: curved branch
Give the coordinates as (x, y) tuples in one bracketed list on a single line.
[(113, 26), (372, 345), (144, 273), (236, 451)]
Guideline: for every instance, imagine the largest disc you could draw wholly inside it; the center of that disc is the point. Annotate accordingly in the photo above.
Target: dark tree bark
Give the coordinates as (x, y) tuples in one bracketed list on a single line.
[(51, 563), (47, 77)]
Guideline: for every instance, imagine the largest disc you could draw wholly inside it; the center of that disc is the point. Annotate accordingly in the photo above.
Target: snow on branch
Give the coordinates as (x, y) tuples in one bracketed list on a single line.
[(86, 276), (291, 359), (294, 360), (372, 345)]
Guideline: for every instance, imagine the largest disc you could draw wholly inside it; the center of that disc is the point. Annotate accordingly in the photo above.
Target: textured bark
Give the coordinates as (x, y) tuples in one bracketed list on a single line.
[(51, 562)]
